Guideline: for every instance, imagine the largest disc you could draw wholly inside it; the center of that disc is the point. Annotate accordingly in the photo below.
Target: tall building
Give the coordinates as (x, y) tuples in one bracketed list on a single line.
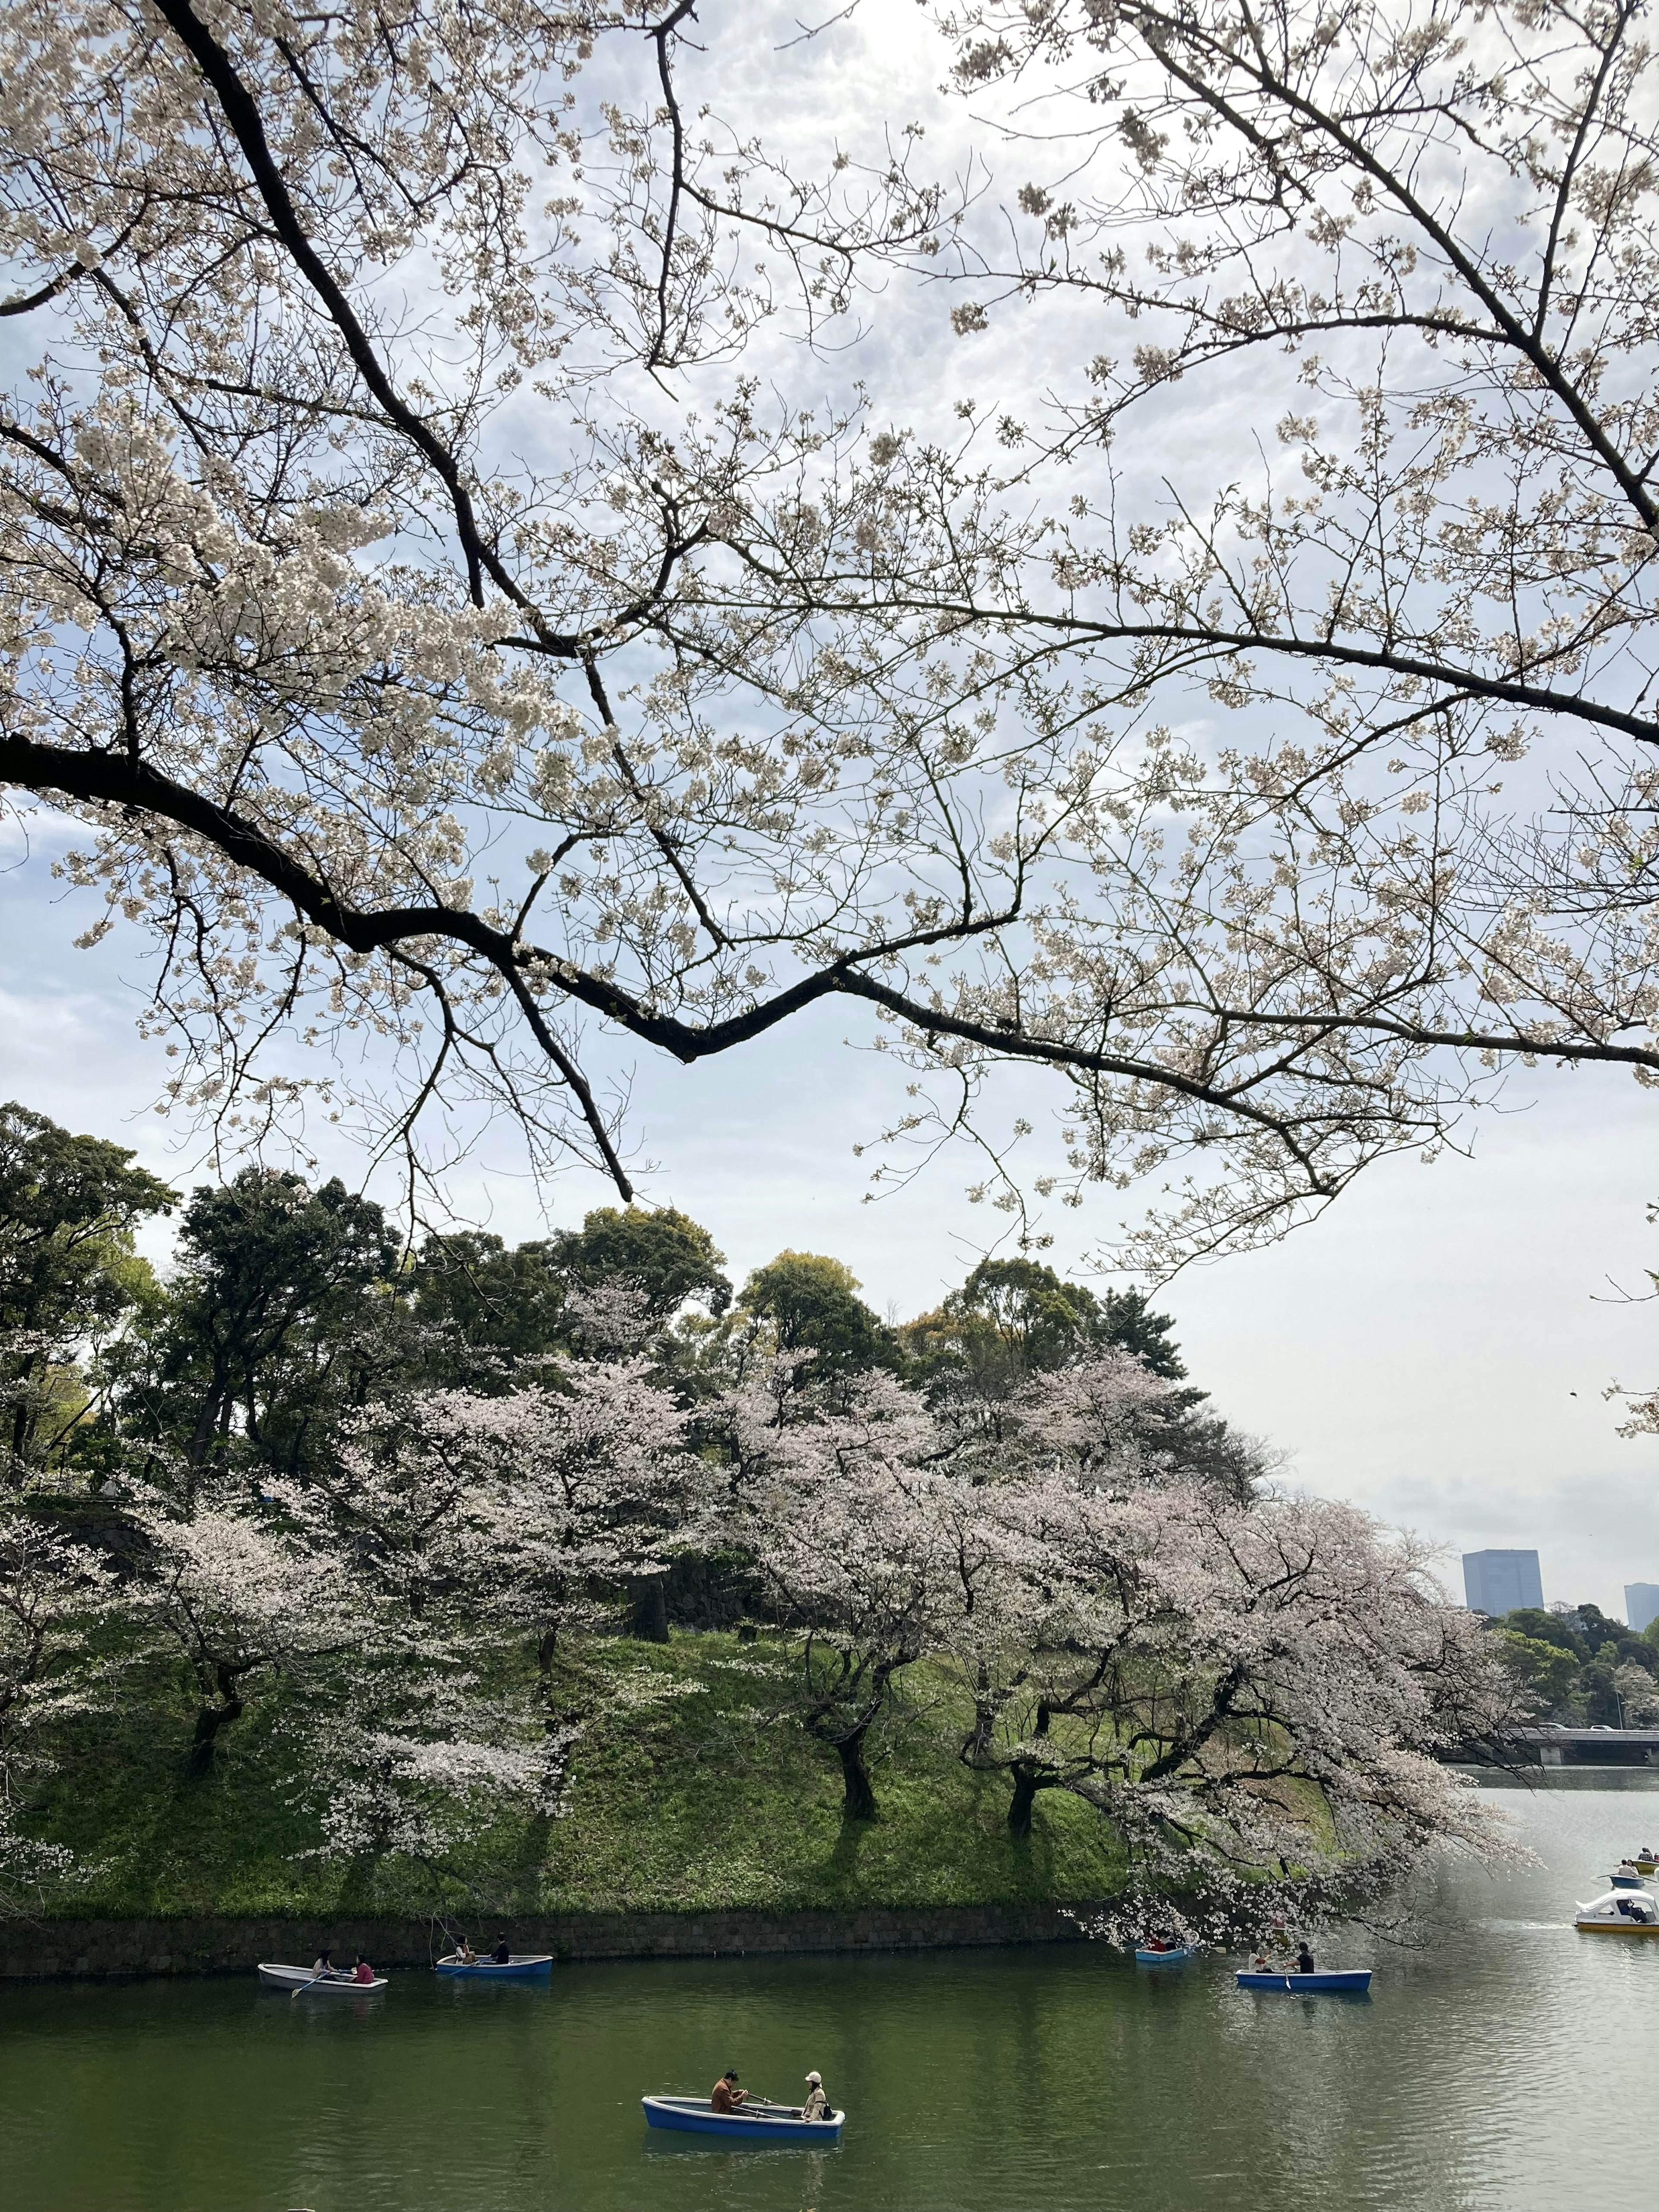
[(1641, 1604), (1497, 1581)]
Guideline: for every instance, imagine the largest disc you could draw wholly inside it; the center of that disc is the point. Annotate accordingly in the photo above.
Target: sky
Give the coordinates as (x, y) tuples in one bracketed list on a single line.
[(1436, 1348)]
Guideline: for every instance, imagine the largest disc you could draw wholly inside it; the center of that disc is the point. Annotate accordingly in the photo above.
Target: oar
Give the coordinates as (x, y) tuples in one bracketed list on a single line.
[(311, 1985)]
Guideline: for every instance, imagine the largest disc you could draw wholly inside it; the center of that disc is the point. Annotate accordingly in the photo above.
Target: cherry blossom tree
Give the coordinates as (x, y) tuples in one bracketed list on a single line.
[(58, 1662), (1242, 1689), (398, 709), (475, 1522), (245, 1604), (840, 1511)]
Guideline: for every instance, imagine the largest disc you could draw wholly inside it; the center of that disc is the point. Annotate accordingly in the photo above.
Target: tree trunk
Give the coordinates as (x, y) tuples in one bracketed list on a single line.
[(1020, 1804), (211, 1721), (649, 1624), (859, 1803)]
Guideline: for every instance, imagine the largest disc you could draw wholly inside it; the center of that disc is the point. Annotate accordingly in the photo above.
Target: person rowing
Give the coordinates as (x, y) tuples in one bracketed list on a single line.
[(503, 1952), (1304, 1960), (726, 2096), (324, 1970)]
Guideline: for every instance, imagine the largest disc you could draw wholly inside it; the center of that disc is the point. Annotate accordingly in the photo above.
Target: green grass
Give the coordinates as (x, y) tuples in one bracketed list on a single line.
[(694, 1802)]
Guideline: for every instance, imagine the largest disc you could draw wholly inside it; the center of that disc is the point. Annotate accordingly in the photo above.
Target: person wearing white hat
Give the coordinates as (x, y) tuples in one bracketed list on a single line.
[(817, 2103)]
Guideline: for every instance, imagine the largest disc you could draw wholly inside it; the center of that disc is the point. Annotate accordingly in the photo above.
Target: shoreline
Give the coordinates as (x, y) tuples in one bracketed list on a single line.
[(100, 1950)]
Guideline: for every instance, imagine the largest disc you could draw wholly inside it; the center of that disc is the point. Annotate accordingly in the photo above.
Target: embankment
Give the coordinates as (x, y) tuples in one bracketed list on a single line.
[(213, 1944)]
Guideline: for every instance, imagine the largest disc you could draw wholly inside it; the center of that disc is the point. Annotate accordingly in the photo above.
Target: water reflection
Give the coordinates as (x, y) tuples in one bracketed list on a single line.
[(1495, 2070)]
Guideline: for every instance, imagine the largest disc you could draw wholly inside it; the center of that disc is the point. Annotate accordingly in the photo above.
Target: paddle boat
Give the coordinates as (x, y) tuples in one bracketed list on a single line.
[(338, 1983), (1358, 1981), (1176, 1955), (1620, 1912), (522, 1966), (1644, 1863), (757, 2123)]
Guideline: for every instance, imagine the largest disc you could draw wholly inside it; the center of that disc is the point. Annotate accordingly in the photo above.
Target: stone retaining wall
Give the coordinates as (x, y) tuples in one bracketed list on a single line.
[(94, 1948)]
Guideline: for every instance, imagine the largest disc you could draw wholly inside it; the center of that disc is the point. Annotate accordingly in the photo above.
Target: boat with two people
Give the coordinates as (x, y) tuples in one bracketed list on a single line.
[(731, 2112), (1620, 1912), (517, 1967), (1302, 1975), (1163, 1954), (324, 1981), (1627, 1874)]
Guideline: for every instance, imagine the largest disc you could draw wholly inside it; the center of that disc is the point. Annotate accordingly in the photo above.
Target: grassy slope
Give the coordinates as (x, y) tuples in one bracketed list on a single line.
[(693, 1803)]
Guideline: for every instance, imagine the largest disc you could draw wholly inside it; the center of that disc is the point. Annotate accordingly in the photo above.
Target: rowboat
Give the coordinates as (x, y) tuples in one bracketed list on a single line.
[(1173, 1956), (522, 1966), (1358, 1980), (756, 2122), (1628, 1876), (306, 1978), (1620, 1912)]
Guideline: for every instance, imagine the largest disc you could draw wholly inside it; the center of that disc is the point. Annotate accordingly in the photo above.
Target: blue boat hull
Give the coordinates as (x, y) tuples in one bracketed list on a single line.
[(686, 2117), (1360, 1980), (1164, 1958), (487, 1969)]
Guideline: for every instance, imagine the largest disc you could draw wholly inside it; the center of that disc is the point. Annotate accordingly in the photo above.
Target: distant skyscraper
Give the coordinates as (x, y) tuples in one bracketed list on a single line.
[(1641, 1604), (1497, 1581)]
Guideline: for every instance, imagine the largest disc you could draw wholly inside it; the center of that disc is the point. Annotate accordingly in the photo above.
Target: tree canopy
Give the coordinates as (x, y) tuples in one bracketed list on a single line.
[(1269, 795)]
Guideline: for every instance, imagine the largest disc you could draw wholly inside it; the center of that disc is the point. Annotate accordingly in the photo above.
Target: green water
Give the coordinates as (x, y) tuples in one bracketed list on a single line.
[(1509, 2066)]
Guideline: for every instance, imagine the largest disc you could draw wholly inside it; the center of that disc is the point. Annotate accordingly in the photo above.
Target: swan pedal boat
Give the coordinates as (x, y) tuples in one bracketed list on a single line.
[(756, 2122), (1175, 1957), (527, 1967), (1601, 1916), (1357, 1979), (306, 1977)]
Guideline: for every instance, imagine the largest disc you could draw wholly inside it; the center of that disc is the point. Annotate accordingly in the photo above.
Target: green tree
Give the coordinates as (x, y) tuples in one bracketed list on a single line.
[(1015, 1318), (1547, 1670), (1531, 1620), (281, 1312), (69, 1207), (475, 1294), (669, 1258), (812, 1304)]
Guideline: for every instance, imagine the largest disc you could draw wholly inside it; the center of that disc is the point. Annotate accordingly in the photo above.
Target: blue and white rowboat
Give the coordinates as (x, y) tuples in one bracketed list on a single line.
[(757, 2123), (1175, 1958), (529, 1966), (1359, 1980)]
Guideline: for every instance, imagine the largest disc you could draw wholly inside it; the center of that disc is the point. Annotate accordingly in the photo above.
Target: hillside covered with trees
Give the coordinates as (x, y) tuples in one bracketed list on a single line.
[(341, 1565)]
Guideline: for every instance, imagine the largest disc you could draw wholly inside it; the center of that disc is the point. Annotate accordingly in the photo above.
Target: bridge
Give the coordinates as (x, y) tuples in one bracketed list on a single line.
[(1549, 1745)]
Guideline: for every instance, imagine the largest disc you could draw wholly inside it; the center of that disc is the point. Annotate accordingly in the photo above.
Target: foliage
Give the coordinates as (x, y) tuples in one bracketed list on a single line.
[(295, 1533), (1581, 1667), (676, 704), (815, 1315), (69, 1207)]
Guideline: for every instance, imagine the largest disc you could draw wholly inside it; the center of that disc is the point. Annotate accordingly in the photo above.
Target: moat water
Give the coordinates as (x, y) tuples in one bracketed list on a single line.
[(1506, 2064)]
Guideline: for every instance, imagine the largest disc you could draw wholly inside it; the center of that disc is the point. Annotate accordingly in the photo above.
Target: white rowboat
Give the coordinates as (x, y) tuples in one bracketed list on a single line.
[(306, 1977)]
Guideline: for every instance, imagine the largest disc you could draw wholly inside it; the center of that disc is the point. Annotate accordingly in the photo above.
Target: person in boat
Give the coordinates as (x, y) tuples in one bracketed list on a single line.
[(726, 2096), (503, 1952), (465, 1952), (817, 2104), (325, 1969), (362, 1971), (1304, 1960)]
